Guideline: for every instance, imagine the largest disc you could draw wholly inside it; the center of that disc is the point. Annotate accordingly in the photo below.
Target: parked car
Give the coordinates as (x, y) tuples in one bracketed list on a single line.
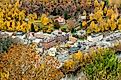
[(95, 37), (73, 50), (80, 33), (104, 44)]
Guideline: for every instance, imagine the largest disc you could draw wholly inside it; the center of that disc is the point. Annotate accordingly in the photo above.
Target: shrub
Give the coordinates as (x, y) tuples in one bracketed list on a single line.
[(104, 67), (5, 43)]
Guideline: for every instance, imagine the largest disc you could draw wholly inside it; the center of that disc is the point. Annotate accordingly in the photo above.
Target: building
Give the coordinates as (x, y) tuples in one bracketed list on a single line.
[(53, 39)]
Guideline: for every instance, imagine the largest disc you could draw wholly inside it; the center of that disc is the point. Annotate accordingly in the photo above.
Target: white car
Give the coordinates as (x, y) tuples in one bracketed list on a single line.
[(80, 33), (95, 38), (52, 52), (9, 33), (104, 44), (117, 35), (83, 17), (36, 40)]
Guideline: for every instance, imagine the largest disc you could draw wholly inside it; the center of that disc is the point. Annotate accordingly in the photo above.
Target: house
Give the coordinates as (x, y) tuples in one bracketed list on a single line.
[(54, 39)]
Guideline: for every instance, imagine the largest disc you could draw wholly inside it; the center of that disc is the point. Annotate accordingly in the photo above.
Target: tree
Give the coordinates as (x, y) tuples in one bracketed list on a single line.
[(104, 67), (21, 62)]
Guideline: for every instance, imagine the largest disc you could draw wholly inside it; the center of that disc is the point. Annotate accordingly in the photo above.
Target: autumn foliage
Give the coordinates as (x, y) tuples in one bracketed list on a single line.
[(81, 59), (21, 62)]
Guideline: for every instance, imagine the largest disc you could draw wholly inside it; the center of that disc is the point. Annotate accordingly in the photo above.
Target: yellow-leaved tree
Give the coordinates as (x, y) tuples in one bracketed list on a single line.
[(96, 3), (69, 65), (77, 56), (119, 26), (113, 26)]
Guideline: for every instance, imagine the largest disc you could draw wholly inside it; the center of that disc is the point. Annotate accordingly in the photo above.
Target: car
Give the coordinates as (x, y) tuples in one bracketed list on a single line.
[(83, 48), (108, 39), (117, 35), (80, 33), (19, 33), (104, 44), (95, 37), (117, 31), (52, 52), (62, 57), (9, 33), (92, 44), (73, 50)]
